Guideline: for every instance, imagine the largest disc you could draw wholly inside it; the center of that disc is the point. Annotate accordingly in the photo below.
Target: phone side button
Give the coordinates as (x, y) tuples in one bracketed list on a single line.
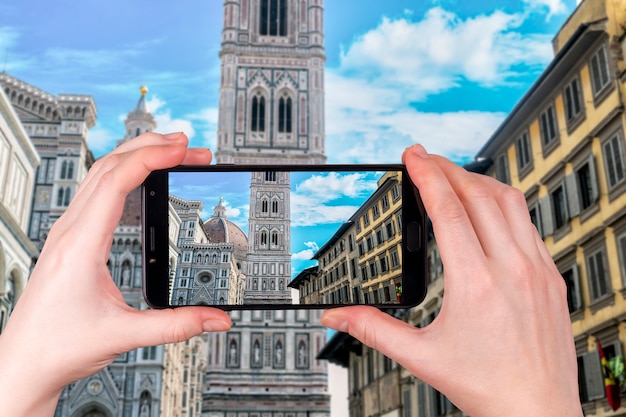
[(414, 237), (152, 239)]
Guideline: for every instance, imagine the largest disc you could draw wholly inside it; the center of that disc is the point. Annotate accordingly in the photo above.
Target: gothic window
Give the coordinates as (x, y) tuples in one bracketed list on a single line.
[(273, 18), (264, 238), (137, 132), (264, 206), (274, 206), (258, 113), (66, 202), (284, 115), (274, 238), (270, 176), (149, 353), (63, 197), (63, 170)]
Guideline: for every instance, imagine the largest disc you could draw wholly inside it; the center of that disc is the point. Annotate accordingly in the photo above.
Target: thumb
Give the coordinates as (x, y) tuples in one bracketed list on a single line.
[(391, 337), (159, 327)]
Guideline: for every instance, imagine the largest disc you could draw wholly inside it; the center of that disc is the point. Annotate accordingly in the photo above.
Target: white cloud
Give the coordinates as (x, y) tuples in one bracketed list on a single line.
[(306, 254), (555, 7), (206, 120), (164, 121), (101, 140), (370, 96), (334, 185)]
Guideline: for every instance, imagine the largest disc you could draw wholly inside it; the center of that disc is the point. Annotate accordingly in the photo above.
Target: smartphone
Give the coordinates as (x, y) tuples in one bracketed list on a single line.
[(283, 237)]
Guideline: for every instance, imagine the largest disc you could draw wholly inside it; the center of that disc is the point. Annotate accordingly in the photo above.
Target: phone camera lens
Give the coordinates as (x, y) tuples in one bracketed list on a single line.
[(152, 193)]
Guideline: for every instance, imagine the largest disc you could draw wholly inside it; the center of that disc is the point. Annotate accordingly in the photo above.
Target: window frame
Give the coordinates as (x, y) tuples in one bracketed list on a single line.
[(549, 132), (598, 90)]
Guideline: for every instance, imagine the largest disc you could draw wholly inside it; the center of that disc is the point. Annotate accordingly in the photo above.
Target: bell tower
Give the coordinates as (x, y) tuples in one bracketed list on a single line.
[(272, 84)]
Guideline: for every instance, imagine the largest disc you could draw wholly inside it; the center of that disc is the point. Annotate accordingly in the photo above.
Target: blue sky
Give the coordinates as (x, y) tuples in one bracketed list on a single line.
[(440, 72), (320, 202)]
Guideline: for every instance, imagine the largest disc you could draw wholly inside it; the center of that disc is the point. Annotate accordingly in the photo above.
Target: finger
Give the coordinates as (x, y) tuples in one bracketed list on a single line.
[(141, 141), (197, 156), (105, 196), (384, 333), (480, 197), (457, 240), (159, 327), (512, 203)]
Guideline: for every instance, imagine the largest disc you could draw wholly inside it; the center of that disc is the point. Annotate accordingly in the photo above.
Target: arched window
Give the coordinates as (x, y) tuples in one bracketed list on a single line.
[(67, 197), (284, 115), (60, 197), (264, 238), (199, 258), (137, 132), (67, 170), (275, 238), (273, 18), (264, 206), (274, 206), (258, 113)]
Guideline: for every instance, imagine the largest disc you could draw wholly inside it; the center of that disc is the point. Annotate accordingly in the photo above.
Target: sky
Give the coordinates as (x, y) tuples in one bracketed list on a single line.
[(443, 73)]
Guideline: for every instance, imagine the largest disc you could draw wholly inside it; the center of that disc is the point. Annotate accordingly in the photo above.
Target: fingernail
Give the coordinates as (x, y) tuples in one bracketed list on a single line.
[(215, 325), (420, 151), (335, 320), (171, 136)]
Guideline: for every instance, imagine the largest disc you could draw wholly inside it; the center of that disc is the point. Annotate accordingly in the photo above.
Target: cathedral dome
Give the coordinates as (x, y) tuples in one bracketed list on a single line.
[(220, 229)]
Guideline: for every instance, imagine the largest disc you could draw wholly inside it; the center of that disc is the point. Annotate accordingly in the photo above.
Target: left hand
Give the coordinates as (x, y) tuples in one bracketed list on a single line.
[(71, 320)]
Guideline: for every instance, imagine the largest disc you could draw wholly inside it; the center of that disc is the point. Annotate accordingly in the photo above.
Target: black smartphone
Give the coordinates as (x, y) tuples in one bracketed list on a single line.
[(282, 237)]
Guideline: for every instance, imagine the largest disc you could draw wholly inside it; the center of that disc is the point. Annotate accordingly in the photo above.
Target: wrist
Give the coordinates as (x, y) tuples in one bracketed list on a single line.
[(23, 388)]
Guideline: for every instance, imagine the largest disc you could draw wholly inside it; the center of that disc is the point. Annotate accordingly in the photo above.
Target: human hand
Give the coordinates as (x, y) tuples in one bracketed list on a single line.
[(502, 343), (71, 320)]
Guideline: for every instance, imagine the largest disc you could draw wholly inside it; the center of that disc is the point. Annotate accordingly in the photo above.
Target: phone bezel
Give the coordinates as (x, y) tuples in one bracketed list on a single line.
[(155, 229)]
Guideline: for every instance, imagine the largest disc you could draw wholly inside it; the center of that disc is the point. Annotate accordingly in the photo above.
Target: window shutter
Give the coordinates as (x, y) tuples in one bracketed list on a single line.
[(432, 402), (547, 224), (593, 178), (571, 193), (578, 301), (421, 400), (593, 375)]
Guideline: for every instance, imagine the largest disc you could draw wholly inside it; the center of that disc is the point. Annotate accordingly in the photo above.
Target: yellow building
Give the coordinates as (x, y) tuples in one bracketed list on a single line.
[(563, 146), (378, 225)]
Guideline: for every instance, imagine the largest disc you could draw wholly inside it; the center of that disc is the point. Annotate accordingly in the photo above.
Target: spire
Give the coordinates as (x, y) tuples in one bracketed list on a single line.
[(219, 210), (142, 106), (140, 120)]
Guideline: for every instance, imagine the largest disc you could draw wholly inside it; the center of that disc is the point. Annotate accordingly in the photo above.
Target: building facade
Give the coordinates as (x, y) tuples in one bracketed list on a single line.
[(362, 262), (18, 165), (58, 128), (563, 146), (272, 85), (206, 269), (271, 111)]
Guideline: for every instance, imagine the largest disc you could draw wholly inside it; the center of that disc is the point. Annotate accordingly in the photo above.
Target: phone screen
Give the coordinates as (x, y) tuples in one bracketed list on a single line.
[(275, 238)]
